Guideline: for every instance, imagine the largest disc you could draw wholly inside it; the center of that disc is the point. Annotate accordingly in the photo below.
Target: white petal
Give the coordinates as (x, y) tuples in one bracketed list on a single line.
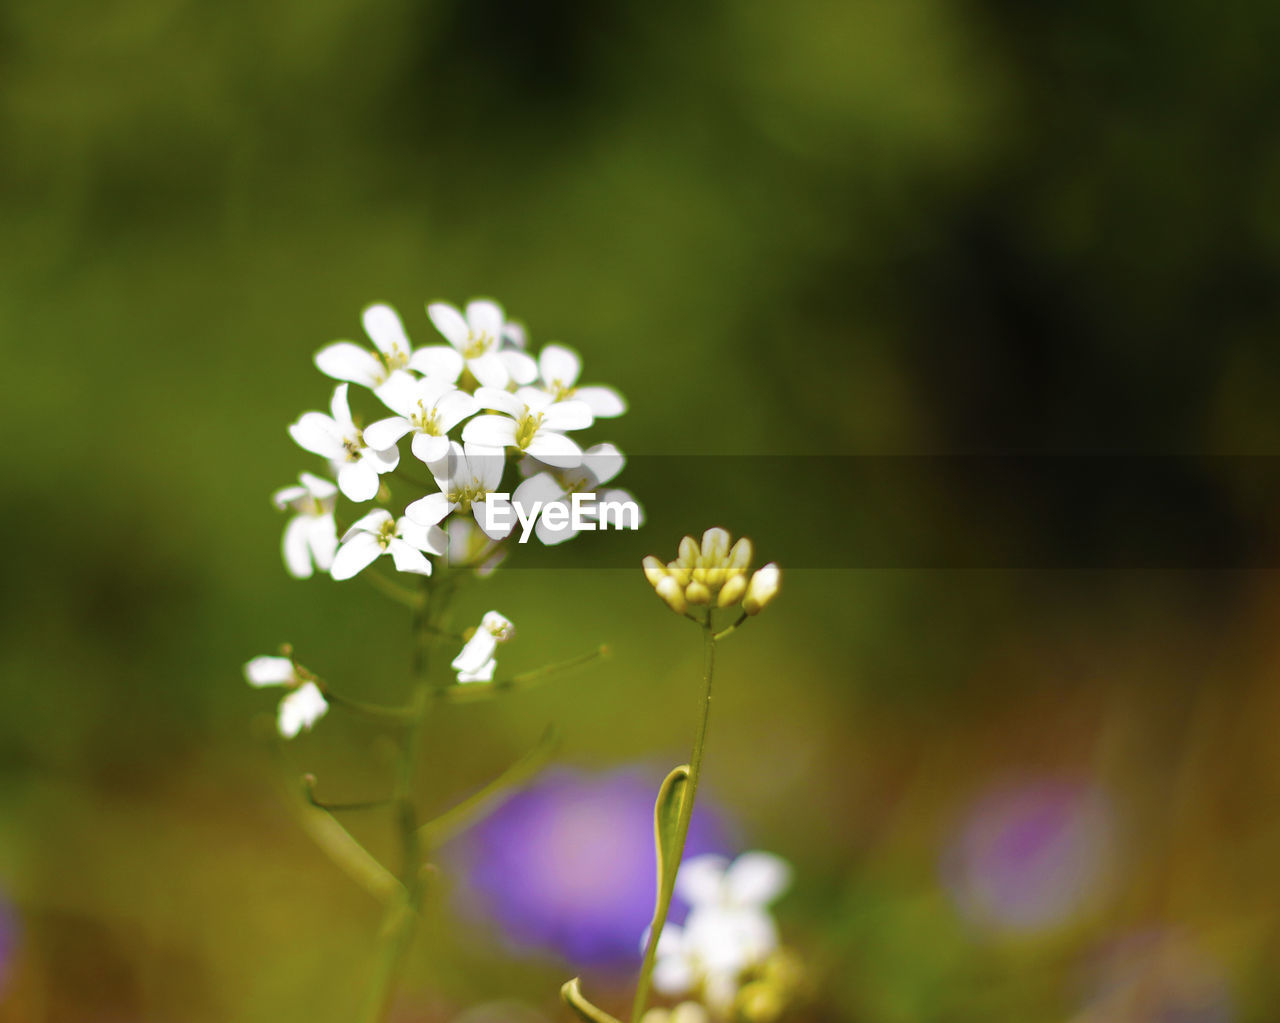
[(484, 673), (551, 536), (344, 360), (490, 431), (317, 433), (489, 369), (559, 366), (301, 709), (700, 880), (430, 539), (757, 878), (604, 402), (499, 530), (321, 489), (408, 558), (498, 400), (322, 537), (673, 975), (603, 461), (449, 322), (269, 671), (355, 555), (498, 625), (287, 497), (296, 547), (400, 393), (429, 449), (568, 415), (485, 317), (542, 488), (520, 367), (555, 449), (381, 460), (358, 480), (370, 522), (479, 648), (438, 362), (427, 511), (453, 407), (383, 325), (514, 334), (341, 409), (385, 432), (486, 464)]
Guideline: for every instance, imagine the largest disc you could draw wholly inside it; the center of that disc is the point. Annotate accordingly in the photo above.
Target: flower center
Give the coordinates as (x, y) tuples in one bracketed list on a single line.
[(397, 358), (463, 496), (477, 345), (527, 427), (386, 533), (560, 390), (427, 420), (352, 446)]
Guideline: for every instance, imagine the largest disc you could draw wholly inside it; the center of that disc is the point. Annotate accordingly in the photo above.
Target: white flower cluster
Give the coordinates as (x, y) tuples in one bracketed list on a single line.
[(729, 931), (468, 407)]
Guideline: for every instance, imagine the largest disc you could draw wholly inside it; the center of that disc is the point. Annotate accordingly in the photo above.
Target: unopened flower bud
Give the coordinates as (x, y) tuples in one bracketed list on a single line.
[(732, 591), (762, 588), (672, 592), (654, 570), (697, 593), (715, 545)]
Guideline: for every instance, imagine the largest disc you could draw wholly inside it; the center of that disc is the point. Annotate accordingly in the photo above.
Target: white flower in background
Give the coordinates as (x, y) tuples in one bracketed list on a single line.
[(377, 534), (476, 662), (559, 368), (311, 536), (427, 408), (478, 338), (600, 464), (346, 360), (532, 422), (301, 707), (728, 930), (466, 477), (337, 438), (685, 1012)]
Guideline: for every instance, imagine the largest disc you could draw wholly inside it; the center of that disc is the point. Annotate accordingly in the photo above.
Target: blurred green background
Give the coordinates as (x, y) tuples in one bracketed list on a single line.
[(815, 227)]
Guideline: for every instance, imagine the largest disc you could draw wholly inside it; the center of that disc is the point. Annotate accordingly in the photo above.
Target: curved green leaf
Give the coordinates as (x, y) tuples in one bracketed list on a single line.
[(588, 1013)]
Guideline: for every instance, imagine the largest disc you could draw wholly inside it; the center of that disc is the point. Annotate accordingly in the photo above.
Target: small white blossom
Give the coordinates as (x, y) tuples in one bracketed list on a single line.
[(337, 438), (728, 930), (377, 534), (477, 661), (478, 338), (531, 421), (311, 536), (559, 368), (600, 464), (302, 706), (427, 408), (346, 360), (470, 547), (466, 478)]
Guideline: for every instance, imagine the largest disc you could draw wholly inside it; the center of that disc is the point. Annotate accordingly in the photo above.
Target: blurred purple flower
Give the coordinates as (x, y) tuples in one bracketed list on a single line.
[(568, 864), (1030, 855), (1157, 976)]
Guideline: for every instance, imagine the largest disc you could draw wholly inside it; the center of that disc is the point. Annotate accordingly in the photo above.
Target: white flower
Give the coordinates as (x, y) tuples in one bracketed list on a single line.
[(346, 360), (478, 338), (762, 588), (311, 537), (377, 534), (559, 368), (338, 439), (301, 707), (728, 930), (470, 547), (476, 662), (600, 464), (531, 421), (466, 478), (429, 408)]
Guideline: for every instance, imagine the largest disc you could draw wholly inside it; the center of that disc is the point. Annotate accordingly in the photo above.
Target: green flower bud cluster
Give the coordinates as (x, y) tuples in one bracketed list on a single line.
[(713, 574)]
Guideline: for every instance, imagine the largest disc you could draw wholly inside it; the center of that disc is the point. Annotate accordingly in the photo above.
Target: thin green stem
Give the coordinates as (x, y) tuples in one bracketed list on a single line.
[(734, 627), (682, 824), (469, 692), (392, 589), (375, 711)]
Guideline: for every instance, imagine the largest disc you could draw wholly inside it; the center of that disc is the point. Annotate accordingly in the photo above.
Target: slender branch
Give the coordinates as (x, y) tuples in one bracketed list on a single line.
[(309, 794), (485, 801), (468, 692), (732, 628), (376, 711), (682, 825)]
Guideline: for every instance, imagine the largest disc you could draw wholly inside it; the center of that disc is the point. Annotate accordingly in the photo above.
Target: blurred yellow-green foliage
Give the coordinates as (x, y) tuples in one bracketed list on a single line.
[(820, 227)]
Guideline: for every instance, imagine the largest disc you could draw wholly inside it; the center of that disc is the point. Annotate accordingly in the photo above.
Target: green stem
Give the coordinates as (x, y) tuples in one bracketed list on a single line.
[(392, 589), (469, 692), (682, 824), (401, 921)]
